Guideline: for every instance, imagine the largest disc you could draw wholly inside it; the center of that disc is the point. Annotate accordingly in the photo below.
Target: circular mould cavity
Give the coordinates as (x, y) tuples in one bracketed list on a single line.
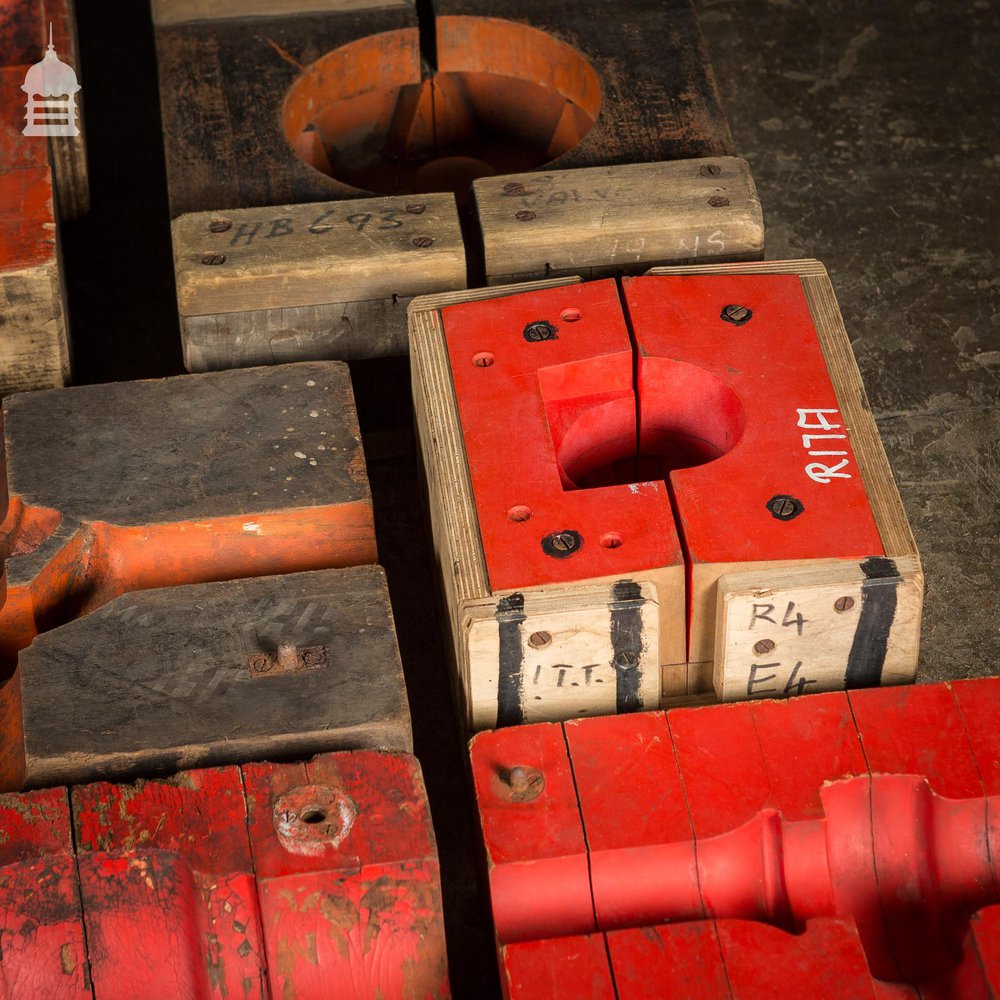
[(505, 98)]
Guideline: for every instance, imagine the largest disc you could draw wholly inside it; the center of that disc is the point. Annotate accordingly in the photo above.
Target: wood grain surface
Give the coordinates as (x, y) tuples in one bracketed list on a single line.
[(162, 680)]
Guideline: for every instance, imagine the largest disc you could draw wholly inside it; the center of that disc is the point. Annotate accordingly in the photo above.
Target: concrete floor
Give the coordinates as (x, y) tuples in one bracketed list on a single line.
[(873, 135)]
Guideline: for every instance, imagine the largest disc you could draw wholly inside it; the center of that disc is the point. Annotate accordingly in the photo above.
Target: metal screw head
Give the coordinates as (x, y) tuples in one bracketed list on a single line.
[(562, 544), (626, 659), (541, 330), (416, 209), (710, 170), (260, 663), (219, 225), (422, 241), (737, 315), (718, 201), (539, 640), (525, 215), (763, 646), (842, 604), (513, 188), (519, 783), (214, 258), (784, 507)]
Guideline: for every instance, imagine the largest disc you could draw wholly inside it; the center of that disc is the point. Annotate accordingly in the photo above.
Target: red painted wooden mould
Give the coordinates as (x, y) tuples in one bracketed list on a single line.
[(865, 820), (302, 880), (683, 470)]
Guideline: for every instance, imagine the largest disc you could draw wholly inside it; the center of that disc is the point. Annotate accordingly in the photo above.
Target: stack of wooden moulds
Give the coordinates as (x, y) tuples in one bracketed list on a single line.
[(158, 592)]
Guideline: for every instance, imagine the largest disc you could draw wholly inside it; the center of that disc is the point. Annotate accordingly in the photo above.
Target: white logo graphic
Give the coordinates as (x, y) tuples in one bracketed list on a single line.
[(51, 87)]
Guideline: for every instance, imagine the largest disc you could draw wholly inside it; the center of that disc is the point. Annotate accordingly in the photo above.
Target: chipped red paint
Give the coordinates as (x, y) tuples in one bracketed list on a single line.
[(197, 886), (842, 840)]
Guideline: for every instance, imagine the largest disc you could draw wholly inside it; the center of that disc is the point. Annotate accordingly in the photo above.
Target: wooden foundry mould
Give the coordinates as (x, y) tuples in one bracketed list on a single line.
[(314, 880), (657, 493), (180, 553), (41, 180), (847, 841), (310, 211)]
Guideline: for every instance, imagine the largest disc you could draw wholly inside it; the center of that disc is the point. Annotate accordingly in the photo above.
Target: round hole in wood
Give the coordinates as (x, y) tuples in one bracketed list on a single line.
[(505, 98)]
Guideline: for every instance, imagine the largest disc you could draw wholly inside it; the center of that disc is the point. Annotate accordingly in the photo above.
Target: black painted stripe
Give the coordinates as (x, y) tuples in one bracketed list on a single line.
[(878, 611), (510, 616), (626, 643)]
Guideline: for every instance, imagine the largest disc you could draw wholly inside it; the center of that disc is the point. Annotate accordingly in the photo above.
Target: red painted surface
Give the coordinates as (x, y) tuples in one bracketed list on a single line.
[(585, 428), (539, 408), (743, 408), (307, 881), (41, 933), (877, 836)]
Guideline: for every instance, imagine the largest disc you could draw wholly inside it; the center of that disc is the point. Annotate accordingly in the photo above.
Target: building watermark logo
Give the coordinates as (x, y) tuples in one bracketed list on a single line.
[(51, 87)]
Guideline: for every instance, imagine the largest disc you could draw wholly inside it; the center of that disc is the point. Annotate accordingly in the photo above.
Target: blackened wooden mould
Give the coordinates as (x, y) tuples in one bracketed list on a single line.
[(311, 880), (140, 485), (327, 100), (843, 839), (645, 495), (216, 673)]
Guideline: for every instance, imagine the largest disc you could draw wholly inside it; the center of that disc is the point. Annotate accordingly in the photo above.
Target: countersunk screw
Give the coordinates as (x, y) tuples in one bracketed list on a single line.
[(764, 646), (562, 544), (525, 215), (520, 783), (625, 660), (842, 604), (513, 188), (416, 209), (718, 201), (214, 258), (538, 331), (784, 507), (422, 241), (737, 315), (710, 170), (260, 663), (219, 225)]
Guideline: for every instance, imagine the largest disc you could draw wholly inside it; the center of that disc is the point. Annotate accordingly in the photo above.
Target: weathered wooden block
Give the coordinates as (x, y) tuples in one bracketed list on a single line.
[(34, 348), (317, 281), (141, 485), (216, 673), (326, 100), (603, 221), (319, 879), (659, 473), (623, 847)]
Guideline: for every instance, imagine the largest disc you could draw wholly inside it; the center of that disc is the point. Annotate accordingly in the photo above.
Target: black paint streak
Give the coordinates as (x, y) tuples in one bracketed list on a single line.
[(626, 641), (510, 616), (878, 610)]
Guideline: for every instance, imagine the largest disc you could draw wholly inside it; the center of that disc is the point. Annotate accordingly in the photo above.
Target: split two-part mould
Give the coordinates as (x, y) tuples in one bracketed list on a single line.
[(643, 490)]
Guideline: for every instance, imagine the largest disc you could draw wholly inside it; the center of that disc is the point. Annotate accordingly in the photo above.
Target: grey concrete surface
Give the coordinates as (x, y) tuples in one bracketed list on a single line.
[(873, 135)]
